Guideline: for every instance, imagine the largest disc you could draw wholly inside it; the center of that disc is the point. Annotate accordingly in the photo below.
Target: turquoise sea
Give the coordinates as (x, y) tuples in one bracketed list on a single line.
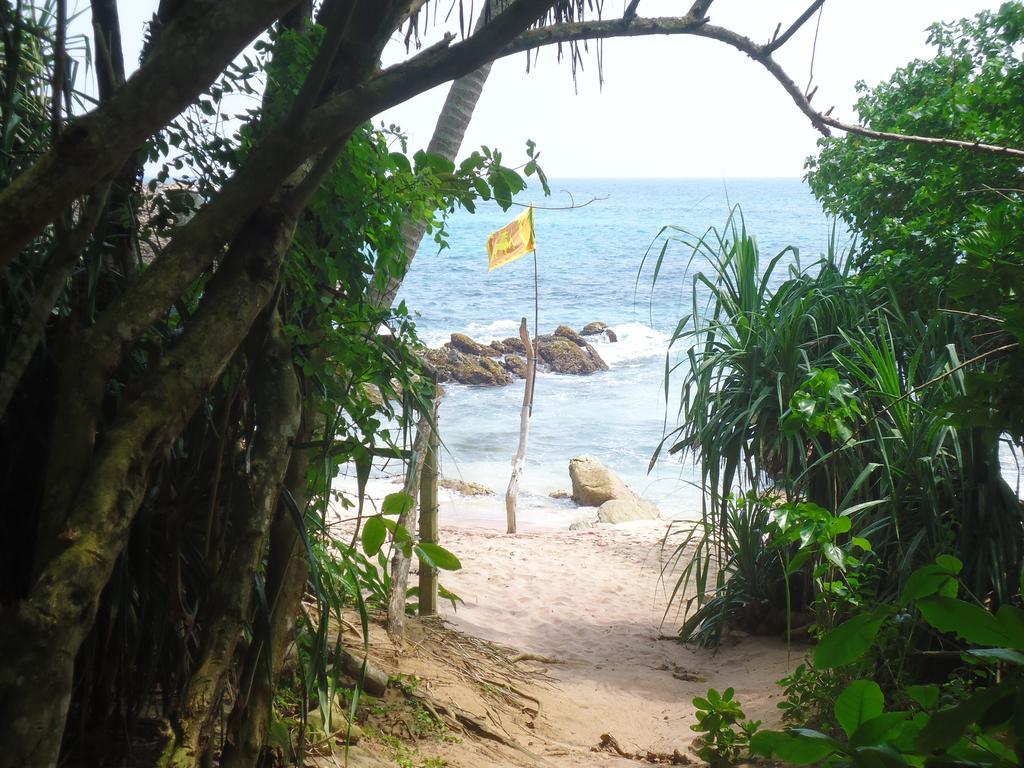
[(590, 262)]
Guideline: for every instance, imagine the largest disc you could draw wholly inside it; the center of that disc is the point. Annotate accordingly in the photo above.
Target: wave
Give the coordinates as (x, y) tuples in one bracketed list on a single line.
[(636, 342), (482, 332)]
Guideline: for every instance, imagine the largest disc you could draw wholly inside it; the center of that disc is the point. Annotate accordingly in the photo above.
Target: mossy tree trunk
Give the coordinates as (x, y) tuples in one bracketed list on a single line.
[(40, 636), (229, 604), (287, 572), (113, 425)]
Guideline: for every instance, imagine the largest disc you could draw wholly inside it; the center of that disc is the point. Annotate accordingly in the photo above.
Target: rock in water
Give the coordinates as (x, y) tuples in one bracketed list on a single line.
[(568, 333), (599, 329), (625, 510), (560, 354), (453, 365), (515, 365), (593, 483), (466, 361), (462, 343), (582, 525), (465, 488), (513, 344)]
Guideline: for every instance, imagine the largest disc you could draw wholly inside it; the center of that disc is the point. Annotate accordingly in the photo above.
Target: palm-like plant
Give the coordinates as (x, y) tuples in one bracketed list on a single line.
[(816, 388)]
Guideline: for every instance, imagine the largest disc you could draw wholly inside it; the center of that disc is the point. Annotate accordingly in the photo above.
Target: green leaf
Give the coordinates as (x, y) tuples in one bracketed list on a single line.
[(437, 556), (974, 624), (835, 555), (1011, 620), (374, 534), (862, 700), (945, 726), (860, 541), (998, 655), (401, 162), (878, 756), (929, 580), (878, 730), (927, 696), (849, 641), (840, 525), (799, 745), (397, 503)]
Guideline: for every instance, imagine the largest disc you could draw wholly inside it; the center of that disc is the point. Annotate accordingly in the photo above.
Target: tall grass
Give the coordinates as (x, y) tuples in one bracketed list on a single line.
[(809, 387)]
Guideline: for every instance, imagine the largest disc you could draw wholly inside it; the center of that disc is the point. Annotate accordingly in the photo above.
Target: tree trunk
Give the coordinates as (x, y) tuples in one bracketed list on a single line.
[(48, 290), (278, 173), (399, 561), (446, 141), (229, 605), (40, 636), (287, 572)]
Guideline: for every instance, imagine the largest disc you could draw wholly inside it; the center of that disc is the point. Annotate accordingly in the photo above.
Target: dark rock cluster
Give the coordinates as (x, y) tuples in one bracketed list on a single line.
[(466, 361)]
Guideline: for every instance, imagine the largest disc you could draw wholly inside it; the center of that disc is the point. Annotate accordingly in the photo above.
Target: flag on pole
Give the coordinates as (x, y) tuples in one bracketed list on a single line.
[(514, 240)]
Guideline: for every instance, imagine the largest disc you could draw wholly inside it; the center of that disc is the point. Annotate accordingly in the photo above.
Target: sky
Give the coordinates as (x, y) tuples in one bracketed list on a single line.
[(671, 107)]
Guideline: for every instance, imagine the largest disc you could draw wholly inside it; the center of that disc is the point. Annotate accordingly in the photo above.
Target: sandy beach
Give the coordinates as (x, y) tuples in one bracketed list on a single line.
[(586, 611)]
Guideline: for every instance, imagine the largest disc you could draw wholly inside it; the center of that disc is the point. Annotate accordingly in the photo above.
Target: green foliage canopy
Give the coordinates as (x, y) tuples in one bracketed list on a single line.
[(945, 226)]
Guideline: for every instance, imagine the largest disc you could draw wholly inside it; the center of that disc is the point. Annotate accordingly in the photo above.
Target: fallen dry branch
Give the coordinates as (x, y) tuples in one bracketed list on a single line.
[(516, 658), (611, 746)]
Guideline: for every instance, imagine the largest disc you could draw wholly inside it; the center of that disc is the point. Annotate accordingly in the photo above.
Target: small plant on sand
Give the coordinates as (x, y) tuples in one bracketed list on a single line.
[(726, 730), (810, 695)]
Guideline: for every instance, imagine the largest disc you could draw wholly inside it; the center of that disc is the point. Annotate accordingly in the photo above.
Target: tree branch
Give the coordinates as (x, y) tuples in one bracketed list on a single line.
[(592, 30), (780, 40), (935, 141), (762, 54), (699, 9), (194, 48), (823, 122)]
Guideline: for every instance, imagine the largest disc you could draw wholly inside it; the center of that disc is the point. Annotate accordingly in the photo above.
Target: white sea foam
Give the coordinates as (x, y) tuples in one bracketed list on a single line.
[(482, 332), (636, 342), (496, 329)]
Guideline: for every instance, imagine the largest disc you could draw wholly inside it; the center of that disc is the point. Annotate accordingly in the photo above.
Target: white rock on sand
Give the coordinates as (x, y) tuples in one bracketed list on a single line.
[(594, 485), (625, 510)]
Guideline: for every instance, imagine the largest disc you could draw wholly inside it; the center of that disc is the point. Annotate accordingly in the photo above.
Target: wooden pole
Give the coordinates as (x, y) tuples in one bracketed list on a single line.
[(399, 562), (512, 494), (428, 517)]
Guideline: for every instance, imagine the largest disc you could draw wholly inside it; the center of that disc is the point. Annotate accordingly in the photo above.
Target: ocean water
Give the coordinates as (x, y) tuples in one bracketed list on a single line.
[(591, 267)]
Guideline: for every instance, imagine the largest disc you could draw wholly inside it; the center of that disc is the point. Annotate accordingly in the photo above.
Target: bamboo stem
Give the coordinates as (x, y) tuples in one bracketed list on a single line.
[(428, 518)]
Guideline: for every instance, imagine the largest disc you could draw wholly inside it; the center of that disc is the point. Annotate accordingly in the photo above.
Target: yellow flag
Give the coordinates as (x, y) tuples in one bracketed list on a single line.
[(512, 241)]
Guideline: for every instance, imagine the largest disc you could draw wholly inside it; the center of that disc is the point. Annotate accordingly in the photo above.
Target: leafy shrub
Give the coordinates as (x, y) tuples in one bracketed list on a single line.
[(822, 391), (981, 727), (726, 732)]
